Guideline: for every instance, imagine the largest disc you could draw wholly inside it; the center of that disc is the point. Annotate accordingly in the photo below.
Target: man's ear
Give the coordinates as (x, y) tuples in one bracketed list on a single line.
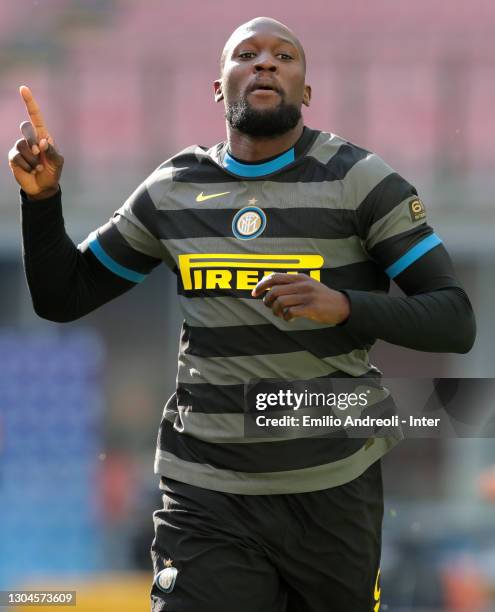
[(217, 87), (307, 95)]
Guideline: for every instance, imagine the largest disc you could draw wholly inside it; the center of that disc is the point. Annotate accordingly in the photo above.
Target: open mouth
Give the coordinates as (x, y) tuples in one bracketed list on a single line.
[(263, 87), (264, 90)]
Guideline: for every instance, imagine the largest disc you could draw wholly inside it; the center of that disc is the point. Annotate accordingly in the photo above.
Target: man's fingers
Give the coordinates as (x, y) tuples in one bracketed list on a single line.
[(48, 151), (29, 133), (24, 149), (275, 292), (294, 311), (21, 155), (277, 279), (283, 302), (34, 112), (16, 159)]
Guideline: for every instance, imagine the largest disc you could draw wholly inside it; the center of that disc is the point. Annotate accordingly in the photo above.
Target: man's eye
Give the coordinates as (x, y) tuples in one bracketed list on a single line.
[(247, 54), (285, 56)]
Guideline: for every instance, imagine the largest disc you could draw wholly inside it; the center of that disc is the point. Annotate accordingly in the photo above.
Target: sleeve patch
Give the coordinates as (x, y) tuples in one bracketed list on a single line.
[(417, 210)]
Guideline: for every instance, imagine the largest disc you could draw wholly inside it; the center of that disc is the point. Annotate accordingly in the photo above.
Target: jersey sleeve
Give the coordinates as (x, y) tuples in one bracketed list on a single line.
[(129, 244), (392, 220), (436, 314)]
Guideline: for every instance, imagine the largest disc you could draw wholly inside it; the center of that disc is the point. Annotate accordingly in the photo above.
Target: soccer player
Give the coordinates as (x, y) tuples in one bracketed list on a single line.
[(283, 240)]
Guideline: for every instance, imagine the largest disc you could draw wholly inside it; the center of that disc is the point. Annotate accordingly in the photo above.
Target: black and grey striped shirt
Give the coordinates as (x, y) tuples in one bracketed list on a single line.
[(330, 209), (326, 208)]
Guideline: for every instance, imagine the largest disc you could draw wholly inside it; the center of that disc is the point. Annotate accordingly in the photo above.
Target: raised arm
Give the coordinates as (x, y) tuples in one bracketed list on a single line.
[(65, 281)]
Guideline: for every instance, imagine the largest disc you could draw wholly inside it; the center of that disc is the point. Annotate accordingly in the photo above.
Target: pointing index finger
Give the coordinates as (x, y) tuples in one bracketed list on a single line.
[(34, 112)]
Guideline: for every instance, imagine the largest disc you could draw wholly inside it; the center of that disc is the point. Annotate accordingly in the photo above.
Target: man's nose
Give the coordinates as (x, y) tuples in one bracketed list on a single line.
[(265, 62)]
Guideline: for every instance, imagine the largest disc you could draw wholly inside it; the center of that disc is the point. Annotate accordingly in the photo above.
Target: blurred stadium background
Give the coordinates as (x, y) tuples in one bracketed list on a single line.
[(123, 85)]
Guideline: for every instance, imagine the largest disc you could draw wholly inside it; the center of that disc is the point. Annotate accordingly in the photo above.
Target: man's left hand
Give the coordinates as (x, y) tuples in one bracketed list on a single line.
[(299, 295)]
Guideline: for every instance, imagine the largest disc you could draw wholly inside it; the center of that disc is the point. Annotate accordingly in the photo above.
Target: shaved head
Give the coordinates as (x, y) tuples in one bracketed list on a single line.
[(256, 25)]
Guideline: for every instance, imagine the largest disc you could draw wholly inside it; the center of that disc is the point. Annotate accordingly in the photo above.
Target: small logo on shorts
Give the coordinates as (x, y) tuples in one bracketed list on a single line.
[(248, 223), (165, 580), (417, 210), (377, 592)]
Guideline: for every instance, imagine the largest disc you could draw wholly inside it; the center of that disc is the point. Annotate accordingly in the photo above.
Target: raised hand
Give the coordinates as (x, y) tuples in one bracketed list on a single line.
[(34, 160)]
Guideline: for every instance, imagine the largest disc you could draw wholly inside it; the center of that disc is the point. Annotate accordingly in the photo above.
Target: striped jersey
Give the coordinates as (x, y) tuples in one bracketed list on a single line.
[(327, 208)]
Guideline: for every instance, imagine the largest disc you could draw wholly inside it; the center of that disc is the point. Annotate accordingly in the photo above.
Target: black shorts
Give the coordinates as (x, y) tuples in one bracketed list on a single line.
[(302, 552)]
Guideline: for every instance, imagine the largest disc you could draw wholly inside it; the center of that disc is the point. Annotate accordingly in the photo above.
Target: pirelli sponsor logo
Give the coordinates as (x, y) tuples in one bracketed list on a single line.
[(241, 272), (417, 210)]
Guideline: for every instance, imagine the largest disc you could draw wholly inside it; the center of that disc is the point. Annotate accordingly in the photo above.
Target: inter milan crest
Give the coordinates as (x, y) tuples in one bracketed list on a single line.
[(248, 223), (165, 580)]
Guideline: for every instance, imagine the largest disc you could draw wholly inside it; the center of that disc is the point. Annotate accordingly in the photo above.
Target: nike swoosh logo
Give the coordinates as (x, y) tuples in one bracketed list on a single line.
[(201, 198)]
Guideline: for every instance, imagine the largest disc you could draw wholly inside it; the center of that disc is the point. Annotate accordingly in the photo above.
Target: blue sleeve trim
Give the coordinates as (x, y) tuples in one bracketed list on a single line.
[(412, 255), (111, 264)]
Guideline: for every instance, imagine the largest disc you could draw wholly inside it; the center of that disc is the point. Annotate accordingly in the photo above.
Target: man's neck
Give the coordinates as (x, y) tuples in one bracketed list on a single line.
[(249, 149)]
